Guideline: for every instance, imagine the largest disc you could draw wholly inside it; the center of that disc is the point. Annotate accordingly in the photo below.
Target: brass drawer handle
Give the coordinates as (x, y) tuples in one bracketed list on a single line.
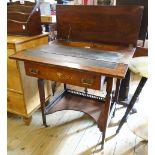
[(34, 71), (87, 82)]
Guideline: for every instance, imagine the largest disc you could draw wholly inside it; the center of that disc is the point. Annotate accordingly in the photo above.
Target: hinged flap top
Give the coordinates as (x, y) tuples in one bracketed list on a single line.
[(101, 24)]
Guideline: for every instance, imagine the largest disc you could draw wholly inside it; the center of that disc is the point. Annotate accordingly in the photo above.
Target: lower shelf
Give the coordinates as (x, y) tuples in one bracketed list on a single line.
[(70, 101)]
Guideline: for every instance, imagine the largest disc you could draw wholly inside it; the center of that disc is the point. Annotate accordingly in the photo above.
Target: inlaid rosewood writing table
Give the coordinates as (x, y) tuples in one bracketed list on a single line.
[(83, 63)]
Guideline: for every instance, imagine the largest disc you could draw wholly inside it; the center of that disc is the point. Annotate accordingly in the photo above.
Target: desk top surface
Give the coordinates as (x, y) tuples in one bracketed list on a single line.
[(99, 60)]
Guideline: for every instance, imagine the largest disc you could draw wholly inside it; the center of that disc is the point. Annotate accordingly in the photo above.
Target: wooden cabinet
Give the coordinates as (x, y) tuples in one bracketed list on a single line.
[(22, 91)]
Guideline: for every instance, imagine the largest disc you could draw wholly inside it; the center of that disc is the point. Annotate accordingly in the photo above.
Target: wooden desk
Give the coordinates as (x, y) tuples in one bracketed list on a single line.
[(56, 62), (85, 51)]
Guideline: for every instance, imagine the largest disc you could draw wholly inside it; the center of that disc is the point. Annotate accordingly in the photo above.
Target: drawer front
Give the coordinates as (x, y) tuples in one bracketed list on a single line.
[(68, 76), (15, 103)]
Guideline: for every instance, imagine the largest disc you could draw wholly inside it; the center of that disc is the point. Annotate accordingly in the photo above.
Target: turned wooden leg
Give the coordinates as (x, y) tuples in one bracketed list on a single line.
[(27, 120), (116, 96), (103, 119), (42, 100)]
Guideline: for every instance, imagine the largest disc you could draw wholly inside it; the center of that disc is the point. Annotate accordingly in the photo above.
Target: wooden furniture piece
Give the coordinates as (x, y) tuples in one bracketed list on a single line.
[(23, 19), (139, 66), (23, 97), (85, 51), (144, 24)]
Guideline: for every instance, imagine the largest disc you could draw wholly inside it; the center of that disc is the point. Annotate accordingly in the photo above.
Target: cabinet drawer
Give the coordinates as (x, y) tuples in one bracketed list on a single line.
[(63, 75), (15, 103)]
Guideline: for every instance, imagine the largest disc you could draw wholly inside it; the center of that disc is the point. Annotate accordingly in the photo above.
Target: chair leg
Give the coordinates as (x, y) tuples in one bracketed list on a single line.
[(132, 102), (116, 95)]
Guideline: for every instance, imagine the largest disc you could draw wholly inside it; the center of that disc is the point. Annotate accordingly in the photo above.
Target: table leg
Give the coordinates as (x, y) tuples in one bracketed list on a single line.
[(103, 119), (124, 88), (42, 99), (115, 100)]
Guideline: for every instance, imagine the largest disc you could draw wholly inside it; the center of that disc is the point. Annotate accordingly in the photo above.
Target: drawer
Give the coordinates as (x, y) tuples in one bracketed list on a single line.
[(63, 75), (15, 103)]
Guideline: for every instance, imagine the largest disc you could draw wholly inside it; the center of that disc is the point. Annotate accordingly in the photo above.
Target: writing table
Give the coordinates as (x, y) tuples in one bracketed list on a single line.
[(80, 66), (82, 55)]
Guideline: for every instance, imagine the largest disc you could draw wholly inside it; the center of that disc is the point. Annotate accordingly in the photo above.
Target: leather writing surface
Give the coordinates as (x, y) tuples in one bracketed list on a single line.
[(77, 60)]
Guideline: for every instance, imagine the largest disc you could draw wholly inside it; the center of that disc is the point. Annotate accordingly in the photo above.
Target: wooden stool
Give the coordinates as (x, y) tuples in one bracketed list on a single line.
[(137, 65)]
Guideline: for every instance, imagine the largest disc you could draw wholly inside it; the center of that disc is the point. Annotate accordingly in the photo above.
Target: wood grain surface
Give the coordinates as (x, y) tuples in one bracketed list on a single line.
[(104, 24)]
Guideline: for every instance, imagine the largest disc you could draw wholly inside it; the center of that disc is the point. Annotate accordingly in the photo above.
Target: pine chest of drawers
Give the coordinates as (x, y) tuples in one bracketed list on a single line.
[(22, 91)]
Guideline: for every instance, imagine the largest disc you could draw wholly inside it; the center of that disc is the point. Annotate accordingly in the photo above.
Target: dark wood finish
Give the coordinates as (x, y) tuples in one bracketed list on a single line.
[(28, 3), (47, 68), (99, 23), (103, 119), (23, 19), (74, 77), (116, 94), (141, 51), (124, 89), (89, 27), (42, 99), (118, 82), (132, 102), (118, 71), (144, 24), (12, 8), (77, 103)]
